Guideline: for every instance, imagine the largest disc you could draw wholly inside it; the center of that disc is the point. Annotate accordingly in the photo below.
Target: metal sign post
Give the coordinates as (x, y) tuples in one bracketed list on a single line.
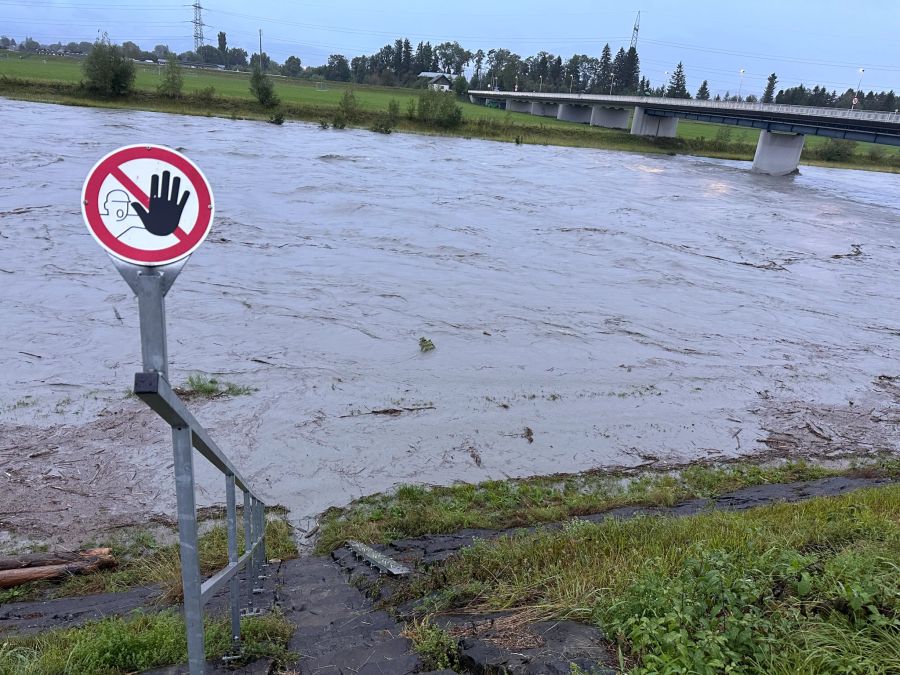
[(150, 239), (150, 285)]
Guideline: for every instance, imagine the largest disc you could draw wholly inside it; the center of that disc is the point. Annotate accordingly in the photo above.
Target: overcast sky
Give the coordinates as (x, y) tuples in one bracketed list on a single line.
[(808, 41)]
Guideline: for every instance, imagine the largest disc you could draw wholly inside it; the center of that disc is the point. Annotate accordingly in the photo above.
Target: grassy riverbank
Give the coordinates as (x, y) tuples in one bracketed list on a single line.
[(226, 94), (414, 510), (809, 587)]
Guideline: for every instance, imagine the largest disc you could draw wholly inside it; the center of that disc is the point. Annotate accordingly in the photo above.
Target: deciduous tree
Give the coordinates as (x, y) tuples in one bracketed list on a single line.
[(106, 70)]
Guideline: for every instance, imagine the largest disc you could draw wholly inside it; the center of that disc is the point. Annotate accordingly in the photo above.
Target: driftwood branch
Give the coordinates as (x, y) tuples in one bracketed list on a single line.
[(18, 571)]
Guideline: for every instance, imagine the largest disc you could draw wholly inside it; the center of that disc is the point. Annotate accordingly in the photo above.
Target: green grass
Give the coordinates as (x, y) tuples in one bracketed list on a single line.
[(415, 510), (810, 587), (143, 562), (433, 644), (203, 386), (55, 79), (136, 643)]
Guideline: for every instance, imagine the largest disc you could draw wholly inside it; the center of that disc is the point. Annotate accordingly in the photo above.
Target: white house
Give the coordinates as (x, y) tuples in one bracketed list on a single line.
[(438, 81)]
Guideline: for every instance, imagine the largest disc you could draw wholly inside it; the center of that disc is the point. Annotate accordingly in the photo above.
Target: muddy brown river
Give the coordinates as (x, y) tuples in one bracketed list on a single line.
[(590, 309)]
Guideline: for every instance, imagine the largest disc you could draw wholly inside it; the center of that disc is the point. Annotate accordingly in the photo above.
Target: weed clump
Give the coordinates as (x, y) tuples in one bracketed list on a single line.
[(438, 649), (201, 386)]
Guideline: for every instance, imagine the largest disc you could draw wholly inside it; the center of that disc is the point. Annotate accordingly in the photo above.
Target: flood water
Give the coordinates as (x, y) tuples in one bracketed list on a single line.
[(627, 309)]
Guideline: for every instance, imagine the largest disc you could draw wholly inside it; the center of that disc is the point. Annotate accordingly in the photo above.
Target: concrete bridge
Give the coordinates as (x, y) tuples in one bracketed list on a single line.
[(783, 128)]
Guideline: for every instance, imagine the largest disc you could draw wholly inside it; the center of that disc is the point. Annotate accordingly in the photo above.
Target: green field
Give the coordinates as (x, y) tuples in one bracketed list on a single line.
[(303, 99)]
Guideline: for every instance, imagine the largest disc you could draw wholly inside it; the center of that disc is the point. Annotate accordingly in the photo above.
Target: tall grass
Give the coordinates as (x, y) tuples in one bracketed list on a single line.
[(806, 587)]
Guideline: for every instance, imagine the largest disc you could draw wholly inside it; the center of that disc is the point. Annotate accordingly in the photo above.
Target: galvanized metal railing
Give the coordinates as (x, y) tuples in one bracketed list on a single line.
[(150, 285)]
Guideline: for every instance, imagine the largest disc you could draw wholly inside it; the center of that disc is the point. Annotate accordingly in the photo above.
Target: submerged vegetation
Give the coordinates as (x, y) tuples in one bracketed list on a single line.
[(202, 386)]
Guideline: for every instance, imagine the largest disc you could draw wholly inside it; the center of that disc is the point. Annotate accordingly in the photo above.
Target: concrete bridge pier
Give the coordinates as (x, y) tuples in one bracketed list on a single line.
[(544, 109), (609, 118), (777, 154), (652, 125), (477, 100), (569, 112), (518, 106)]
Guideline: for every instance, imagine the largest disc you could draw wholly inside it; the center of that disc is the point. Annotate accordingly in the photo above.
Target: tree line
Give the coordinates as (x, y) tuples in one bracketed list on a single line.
[(398, 64)]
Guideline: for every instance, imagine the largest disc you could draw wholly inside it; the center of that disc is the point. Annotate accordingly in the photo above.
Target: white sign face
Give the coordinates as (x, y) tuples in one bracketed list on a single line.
[(147, 204)]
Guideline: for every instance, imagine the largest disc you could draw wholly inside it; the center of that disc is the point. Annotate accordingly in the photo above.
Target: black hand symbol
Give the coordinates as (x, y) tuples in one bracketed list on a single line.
[(164, 213)]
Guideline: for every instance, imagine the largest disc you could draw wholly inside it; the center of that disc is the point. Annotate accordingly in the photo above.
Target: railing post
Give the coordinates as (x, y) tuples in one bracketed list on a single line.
[(261, 535), (187, 535), (234, 587), (248, 543)]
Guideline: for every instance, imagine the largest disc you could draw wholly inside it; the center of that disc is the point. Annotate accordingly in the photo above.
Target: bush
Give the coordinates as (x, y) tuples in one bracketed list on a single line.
[(263, 89), (349, 107), (106, 70), (393, 112), (277, 118), (205, 95), (876, 154), (382, 125), (460, 85), (439, 108), (836, 150), (172, 81), (339, 121)]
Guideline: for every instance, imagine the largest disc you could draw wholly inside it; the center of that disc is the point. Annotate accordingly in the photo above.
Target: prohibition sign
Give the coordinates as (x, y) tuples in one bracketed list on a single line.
[(147, 204)]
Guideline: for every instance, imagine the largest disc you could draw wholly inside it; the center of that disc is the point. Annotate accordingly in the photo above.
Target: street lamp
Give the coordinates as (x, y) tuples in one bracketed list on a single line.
[(541, 86), (665, 84), (741, 87), (612, 83), (858, 85), (570, 83)]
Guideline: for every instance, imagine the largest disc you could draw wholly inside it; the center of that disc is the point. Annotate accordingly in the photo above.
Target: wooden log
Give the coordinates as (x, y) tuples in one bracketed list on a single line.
[(23, 575), (42, 559)]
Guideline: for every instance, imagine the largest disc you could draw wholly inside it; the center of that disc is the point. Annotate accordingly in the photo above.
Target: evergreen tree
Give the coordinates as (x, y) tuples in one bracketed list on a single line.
[(769, 92), (406, 59), (620, 71), (703, 91), (605, 71), (678, 83), (555, 73), (631, 71), (397, 54)]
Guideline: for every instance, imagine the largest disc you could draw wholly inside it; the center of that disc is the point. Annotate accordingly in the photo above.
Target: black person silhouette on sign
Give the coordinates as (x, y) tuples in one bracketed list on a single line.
[(164, 212)]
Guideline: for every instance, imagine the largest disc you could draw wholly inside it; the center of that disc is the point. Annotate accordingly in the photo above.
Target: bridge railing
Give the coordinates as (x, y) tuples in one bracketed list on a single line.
[(778, 108)]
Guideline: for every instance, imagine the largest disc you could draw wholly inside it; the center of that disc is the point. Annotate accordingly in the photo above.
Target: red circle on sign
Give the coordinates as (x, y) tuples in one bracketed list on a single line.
[(188, 241)]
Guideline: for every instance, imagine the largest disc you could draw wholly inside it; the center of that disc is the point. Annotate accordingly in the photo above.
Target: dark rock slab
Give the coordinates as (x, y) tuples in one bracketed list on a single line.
[(338, 628), (564, 644), (24, 618)]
